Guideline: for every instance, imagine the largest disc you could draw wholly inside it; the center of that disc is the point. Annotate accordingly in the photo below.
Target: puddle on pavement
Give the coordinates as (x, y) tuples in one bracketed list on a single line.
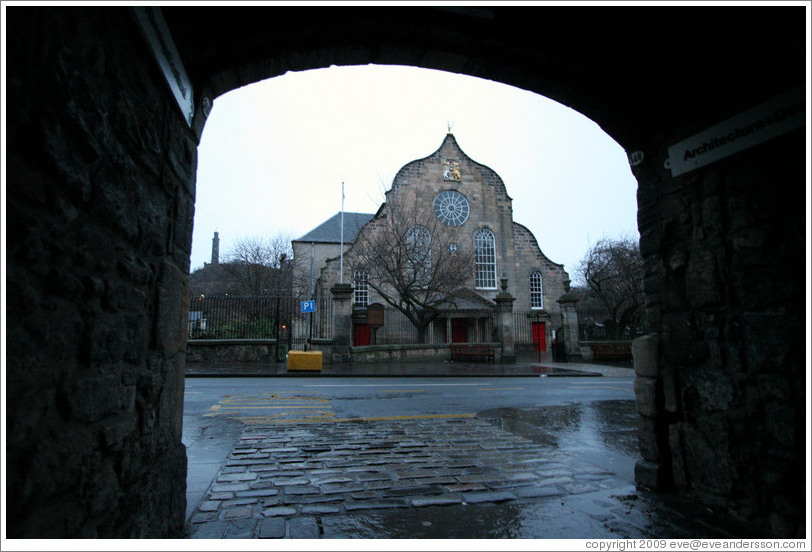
[(603, 433), (471, 522)]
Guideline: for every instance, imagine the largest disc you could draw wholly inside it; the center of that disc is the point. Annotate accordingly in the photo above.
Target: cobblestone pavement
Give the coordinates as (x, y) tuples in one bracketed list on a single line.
[(306, 480)]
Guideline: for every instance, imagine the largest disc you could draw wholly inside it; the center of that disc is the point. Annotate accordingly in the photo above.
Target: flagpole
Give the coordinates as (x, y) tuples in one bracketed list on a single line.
[(341, 256)]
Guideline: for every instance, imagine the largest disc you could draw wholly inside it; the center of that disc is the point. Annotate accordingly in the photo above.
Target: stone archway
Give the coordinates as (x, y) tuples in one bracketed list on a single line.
[(100, 202)]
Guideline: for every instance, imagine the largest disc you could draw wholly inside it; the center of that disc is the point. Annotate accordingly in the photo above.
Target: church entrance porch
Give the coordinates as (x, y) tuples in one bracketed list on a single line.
[(465, 327)]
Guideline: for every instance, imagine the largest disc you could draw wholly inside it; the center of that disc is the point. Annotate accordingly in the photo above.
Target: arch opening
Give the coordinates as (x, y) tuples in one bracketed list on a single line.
[(117, 171)]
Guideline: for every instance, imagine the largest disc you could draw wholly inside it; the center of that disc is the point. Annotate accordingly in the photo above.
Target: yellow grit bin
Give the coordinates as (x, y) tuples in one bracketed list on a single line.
[(304, 361)]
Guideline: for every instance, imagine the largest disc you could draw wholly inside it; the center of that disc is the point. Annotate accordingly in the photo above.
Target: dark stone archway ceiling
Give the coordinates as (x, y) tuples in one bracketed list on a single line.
[(634, 70)]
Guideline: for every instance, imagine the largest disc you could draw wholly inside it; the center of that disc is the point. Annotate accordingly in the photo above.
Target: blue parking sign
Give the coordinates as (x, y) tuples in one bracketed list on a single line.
[(308, 306)]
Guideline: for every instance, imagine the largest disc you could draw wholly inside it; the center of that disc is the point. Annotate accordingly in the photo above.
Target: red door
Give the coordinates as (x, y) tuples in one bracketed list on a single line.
[(539, 336), (361, 335), (459, 330)]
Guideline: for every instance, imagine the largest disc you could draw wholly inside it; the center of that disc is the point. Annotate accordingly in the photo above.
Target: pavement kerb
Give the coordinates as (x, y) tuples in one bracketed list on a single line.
[(426, 369)]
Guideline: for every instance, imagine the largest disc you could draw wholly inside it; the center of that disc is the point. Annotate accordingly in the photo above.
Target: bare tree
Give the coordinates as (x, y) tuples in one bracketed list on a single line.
[(613, 272), (413, 262), (259, 265)]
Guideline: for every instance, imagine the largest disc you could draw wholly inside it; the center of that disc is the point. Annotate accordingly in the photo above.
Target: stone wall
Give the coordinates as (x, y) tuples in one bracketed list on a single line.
[(400, 353), (529, 257), (229, 351), (100, 200), (723, 409), (302, 252)]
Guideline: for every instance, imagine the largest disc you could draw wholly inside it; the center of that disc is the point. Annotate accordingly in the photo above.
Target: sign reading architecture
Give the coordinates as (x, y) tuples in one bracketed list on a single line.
[(752, 127)]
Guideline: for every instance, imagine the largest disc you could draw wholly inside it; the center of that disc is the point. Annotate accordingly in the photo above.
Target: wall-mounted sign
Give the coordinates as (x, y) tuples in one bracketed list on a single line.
[(375, 315), (754, 126), (635, 158), (153, 27)]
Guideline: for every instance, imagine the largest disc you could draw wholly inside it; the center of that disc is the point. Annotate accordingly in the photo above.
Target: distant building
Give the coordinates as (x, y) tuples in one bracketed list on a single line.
[(322, 243), (215, 249), (236, 278), (214, 278)]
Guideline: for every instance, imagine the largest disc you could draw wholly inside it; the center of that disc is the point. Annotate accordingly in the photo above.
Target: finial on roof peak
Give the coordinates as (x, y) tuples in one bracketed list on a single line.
[(450, 126)]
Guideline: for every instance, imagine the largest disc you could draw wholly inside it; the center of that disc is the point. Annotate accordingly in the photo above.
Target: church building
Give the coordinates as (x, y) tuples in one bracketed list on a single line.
[(457, 212)]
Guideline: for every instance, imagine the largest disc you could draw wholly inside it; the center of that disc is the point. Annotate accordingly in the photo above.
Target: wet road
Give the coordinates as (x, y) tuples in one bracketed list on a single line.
[(591, 420), (283, 400), (425, 457)]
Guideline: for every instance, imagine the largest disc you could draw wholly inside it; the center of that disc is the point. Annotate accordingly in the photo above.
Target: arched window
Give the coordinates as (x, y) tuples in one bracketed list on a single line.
[(536, 297), (361, 284), (418, 254), (485, 258)]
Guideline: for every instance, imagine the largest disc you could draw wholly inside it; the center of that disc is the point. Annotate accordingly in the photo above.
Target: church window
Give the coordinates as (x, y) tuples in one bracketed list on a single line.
[(451, 208), (536, 299), (485, 258), (418, 254), (361, 296)]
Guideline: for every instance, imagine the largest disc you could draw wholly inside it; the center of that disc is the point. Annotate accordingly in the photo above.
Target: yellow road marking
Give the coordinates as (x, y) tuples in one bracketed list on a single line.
[(263, 401), (602, 387), (233, 406), (376, 419), (263, 407), (319, 416), (276, 415)]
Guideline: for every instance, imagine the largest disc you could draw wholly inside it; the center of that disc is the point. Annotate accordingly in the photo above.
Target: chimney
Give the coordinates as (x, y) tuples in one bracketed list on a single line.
[(215, 249)]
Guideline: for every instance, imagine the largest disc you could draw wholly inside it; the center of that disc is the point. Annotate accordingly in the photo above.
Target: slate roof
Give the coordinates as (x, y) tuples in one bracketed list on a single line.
[(329, 231)]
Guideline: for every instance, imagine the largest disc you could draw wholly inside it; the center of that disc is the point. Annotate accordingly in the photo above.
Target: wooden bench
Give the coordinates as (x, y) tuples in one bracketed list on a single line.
[(468, 350)]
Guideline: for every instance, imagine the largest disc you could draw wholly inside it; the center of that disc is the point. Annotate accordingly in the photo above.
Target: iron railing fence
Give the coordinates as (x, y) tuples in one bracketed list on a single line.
[(313, 325), (277, 317), (522, 327), (257, 317), (396, 329), (595, 328)]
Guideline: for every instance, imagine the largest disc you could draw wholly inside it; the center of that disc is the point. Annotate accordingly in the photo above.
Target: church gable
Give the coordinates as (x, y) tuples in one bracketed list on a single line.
[(526, 245), (462, 206), (450, 169)]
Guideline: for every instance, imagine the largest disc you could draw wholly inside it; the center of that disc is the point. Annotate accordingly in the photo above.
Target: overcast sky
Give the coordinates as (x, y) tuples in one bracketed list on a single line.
[(273, 155)]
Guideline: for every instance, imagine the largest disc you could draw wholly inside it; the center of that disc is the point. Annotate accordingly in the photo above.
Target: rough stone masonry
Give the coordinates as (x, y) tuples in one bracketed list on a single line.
[(100, 206)]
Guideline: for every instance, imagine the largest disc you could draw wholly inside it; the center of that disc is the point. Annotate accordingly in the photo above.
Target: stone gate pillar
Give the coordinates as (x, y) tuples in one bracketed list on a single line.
[(342, 322), (569, 317), (653, 470), (504, 321)]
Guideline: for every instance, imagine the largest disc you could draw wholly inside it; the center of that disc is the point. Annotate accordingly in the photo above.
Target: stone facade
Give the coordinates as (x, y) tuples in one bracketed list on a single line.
[(517, 254), (100, 202), (320, 254), (322, 243), (720, 386)]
